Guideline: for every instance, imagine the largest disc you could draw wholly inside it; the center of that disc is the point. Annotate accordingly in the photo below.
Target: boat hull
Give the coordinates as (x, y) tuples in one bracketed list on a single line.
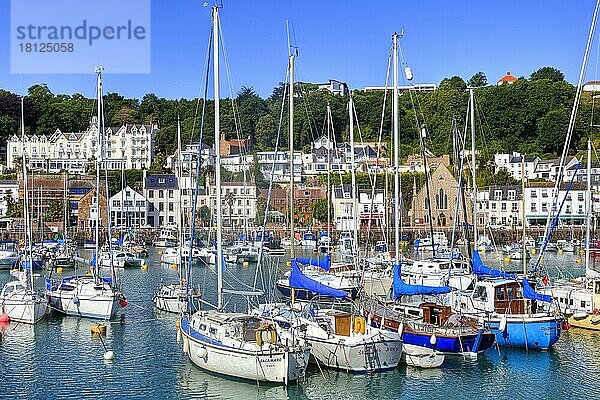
[(267, 366), (25, 308), (591, 322), (524, 332), (365, 356), (83, 298), (172, 299), (421, 357)]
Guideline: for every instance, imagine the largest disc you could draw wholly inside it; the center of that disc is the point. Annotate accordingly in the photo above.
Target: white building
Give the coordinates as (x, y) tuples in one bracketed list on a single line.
[(237, 162), (279, 164), (512, 163), (128, 147), (344, 215), (238, 202), (189, 155), (371, 207), (539, 197), (504, 206), (128, 209), (548, 169)]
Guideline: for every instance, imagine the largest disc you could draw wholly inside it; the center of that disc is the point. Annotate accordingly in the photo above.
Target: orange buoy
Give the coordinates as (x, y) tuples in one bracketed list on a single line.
[(4, 319)]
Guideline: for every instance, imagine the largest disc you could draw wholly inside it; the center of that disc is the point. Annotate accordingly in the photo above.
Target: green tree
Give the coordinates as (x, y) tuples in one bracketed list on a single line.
[(55, 211), (204, 215), (478, 80), (320, 210), (551, 130), (552, 74), (454, 83)]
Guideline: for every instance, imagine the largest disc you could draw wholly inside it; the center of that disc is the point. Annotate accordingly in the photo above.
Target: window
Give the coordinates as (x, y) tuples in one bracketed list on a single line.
[(534, 193), (580, 196), (493, 206), (512, 194), (171, 218), (170, 193), (150, 194), (161, 194), (441, 200), (170, 206), (139, 203), (514, 207), (116, 203), (500, 293), (503, 206), (498, 195), (161, 206)]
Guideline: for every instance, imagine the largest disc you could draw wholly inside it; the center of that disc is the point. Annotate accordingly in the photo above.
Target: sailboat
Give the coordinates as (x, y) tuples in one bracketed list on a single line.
[(579, 300), (91, 295), (173, 297), (19, 299), (237, 345)]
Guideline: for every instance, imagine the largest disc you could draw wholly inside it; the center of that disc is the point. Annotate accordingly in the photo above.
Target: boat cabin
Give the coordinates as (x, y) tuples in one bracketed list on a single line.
[(501, 296), (435, 314), (436, 271)]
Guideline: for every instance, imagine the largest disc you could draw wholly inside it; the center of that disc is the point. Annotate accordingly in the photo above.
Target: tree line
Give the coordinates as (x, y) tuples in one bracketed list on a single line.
[(529, 116)]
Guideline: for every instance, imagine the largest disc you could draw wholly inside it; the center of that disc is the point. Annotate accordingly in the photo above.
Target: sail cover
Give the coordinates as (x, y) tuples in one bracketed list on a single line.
[(480, 269), (324, 263), (530, 293), (401, 288), (300, 281)]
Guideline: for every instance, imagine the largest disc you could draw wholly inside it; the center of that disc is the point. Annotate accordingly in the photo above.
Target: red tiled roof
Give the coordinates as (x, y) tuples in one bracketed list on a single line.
[(508, 78)]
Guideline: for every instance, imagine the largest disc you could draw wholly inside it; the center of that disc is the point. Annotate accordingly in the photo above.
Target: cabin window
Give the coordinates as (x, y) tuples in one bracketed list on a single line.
[(202, 327), (510, 291), (500, 293), (582, 304), (481, 293), (213, 331), (597, 287), (571, 302)]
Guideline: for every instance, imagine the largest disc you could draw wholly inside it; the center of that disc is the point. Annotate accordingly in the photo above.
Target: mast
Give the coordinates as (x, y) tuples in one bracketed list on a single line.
[(588, 207), (396, 155), (98, 71), (471, 98), (180, 213), (217, 159), (354, 189), (523, 220), (329, 197), (291, 140), (28, 232)]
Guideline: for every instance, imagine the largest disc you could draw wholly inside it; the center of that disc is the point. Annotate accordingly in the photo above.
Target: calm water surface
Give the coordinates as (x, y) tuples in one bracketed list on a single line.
[(59, 359)]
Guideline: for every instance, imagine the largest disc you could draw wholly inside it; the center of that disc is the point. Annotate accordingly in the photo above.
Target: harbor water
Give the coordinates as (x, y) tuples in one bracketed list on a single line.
[(59, 359)]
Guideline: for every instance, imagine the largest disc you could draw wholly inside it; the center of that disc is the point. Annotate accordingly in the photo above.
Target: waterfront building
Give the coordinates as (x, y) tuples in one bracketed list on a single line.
[(128, 147), (88, 213), (128, 209), (344, 214), (504, 206), (539, 199), (161, 192)]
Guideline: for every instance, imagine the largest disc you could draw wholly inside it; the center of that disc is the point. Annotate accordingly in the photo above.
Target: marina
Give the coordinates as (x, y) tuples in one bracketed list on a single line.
[(405, 241), (157, 367)]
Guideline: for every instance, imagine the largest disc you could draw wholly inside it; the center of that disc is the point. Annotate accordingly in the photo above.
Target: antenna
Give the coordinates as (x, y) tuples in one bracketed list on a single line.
[(290, 46)]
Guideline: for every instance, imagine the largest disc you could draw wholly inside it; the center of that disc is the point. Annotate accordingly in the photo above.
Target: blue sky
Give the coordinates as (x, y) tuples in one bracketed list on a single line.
[(344, 40)]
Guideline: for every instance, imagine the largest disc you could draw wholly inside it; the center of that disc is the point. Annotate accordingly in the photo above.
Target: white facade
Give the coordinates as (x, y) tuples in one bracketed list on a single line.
[(189, 155), (512, 163), (128, 208), (161, 191), (344, 215), (504, 207), (539, 198), (371, 207), (237, 162), (238, 202), (128, 147), (279, 164), (548, 169)]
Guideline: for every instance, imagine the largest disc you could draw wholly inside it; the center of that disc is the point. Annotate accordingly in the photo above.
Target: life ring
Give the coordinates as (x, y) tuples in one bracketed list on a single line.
[(360, 325), (272, 334)]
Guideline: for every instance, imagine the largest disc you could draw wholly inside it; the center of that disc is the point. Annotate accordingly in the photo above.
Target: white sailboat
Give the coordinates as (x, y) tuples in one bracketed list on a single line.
[(236, 344), (91, 296), (20, 299), (173, 297)]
